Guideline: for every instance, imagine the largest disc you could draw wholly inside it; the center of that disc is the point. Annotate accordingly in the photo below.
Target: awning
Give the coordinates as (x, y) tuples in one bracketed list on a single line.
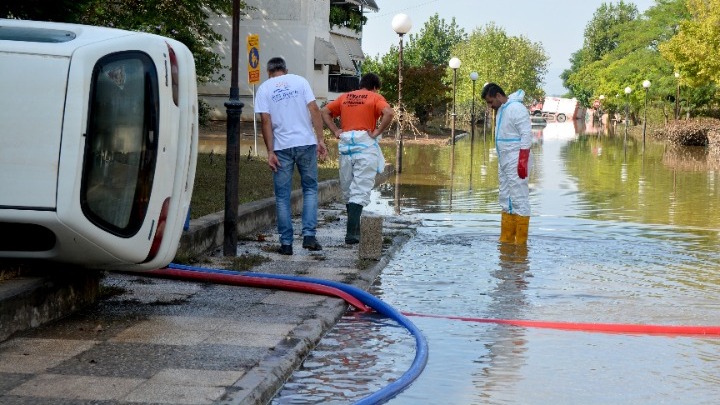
[(348, 50), (367, 4), (325, 53)]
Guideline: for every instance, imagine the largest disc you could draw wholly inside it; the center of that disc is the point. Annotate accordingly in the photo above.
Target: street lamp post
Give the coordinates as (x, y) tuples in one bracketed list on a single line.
[(646, 86), (677, 96), (454, 65), (401, 24), (628, 90), (473, 77), (232, 149)]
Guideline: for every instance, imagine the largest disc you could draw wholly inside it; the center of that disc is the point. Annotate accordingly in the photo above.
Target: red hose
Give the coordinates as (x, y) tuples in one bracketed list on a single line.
[(314, 288), (591, 327), (288, 285)]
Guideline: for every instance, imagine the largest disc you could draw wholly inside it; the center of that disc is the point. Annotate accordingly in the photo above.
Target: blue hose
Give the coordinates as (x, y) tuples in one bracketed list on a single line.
[(421, 346)]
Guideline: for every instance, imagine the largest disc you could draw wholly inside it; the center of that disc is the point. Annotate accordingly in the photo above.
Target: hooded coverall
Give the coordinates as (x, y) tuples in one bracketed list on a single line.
[(513, 132)]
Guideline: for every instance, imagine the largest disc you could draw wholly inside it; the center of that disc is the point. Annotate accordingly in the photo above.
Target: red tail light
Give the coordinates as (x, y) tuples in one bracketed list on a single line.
[(174, 72), (159, 231)]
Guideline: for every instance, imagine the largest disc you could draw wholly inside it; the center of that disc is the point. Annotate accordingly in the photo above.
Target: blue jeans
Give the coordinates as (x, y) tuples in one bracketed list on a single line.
[(305, 158)]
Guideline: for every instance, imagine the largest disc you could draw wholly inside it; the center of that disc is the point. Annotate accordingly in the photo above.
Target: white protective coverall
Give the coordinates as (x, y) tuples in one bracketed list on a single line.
[(360, 160), (513, 131)]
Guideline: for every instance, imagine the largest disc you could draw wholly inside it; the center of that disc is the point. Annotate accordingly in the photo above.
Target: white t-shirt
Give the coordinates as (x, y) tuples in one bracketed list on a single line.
[(286, 98)]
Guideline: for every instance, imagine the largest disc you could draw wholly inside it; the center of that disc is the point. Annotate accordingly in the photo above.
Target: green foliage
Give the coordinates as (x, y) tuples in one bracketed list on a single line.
[(183, 20), (695, 50), (602, 33), (433, 44), (638, 53), (423, 90), (346, 15), (512, 62)]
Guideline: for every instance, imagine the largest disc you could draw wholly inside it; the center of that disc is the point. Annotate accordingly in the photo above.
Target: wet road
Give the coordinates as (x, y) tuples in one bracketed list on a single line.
[(617, 236)]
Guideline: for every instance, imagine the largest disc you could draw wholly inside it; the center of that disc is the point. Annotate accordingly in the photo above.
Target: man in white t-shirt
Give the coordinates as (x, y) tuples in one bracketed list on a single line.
[(292, 129)]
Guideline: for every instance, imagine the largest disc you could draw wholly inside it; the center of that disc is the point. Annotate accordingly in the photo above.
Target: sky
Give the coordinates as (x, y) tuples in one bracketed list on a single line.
[(559, 25)]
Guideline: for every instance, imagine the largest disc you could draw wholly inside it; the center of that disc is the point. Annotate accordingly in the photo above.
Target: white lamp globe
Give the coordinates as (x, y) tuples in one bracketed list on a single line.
[(454, 63), (628, 90), (401, 24), (473, 76), (646, 83)]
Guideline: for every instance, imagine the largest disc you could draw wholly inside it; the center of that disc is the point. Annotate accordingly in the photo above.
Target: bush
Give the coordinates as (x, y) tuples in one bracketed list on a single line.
[(693, 132)]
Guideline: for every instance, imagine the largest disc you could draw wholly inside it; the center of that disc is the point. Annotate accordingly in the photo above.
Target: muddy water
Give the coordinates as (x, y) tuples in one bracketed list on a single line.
[(618, 235)]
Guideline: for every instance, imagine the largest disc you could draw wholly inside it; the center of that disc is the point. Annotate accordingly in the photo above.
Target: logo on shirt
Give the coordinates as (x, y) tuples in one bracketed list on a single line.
[(283, 92), (352, 100)]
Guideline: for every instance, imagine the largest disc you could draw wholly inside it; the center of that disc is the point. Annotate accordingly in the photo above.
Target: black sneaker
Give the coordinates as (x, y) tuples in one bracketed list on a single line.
[(285, 250), (310, 243)]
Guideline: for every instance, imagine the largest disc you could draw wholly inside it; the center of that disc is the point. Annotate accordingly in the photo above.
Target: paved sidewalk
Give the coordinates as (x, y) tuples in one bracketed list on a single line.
[(155, 340)]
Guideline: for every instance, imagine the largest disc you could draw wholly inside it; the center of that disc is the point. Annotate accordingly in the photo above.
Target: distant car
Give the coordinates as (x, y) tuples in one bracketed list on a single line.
[(98, 144)]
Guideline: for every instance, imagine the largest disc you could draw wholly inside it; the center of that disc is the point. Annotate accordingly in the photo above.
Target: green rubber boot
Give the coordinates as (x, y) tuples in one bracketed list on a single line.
[(352, 235)]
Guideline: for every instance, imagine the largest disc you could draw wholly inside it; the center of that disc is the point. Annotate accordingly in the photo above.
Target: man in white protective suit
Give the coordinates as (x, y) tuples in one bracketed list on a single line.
[(360, 155), (513, 138)]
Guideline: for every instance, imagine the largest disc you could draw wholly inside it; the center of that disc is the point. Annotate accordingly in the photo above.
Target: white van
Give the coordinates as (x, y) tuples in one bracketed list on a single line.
[(98, 144)]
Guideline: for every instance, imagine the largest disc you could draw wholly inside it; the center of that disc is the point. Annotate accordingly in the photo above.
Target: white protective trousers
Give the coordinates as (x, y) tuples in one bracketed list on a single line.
[(513, 131), (360, 160)]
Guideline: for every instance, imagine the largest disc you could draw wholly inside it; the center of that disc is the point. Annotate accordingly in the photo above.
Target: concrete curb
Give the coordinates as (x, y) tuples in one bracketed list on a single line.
[(28, 302), (261, 384)]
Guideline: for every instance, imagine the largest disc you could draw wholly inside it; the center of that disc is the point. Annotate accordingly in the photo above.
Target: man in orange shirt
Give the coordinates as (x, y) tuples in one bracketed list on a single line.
[(360, 155)]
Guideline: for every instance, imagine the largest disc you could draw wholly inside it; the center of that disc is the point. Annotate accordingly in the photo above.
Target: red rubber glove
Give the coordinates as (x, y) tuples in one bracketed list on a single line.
[(523, 159)]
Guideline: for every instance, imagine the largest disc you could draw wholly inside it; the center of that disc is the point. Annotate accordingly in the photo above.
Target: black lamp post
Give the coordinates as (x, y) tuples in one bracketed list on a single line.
[(232, 150), (401, 24)]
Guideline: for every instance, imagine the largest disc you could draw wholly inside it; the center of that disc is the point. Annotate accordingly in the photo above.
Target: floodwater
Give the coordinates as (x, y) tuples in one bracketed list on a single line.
[(619, 234)]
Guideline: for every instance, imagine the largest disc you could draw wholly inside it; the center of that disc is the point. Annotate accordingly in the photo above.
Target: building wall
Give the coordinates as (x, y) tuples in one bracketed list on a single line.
[(286, 28)]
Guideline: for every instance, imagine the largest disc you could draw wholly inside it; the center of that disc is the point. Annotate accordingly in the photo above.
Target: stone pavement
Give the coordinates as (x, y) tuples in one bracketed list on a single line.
[(153, 340)]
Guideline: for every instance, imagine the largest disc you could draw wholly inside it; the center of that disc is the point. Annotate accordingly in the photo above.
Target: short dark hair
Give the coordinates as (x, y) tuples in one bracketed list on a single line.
[(491, 89), (276, 64), (370, 81)]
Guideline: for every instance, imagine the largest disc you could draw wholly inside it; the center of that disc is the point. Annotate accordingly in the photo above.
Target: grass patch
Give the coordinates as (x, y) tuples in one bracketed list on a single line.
[(254, 182), (247, 261)]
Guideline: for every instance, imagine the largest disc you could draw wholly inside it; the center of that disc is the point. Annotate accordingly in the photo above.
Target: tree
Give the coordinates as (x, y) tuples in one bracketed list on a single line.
[(695, 50), (432, 45), (633, 58), (604, 29), (601, 36), (184, 20), (512, 62), (423, 86), (424, 60)]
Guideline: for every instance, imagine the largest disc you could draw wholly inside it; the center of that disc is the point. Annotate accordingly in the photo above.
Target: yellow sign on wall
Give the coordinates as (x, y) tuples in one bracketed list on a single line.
[(253, 49)]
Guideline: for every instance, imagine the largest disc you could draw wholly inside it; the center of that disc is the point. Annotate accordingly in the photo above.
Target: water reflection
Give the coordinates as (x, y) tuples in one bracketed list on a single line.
[(617, 236), (504, 356)]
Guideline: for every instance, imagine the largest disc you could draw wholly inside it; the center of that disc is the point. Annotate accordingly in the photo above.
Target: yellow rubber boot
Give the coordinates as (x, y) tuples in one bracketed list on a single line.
[(507, 228), (521, 233)]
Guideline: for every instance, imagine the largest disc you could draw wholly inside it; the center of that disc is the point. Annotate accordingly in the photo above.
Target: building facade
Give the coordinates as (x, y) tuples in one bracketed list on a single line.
[(319, 39)]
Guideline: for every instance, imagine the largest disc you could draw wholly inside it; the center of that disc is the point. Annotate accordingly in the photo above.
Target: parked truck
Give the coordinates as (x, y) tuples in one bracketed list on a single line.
[(558, 109)]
